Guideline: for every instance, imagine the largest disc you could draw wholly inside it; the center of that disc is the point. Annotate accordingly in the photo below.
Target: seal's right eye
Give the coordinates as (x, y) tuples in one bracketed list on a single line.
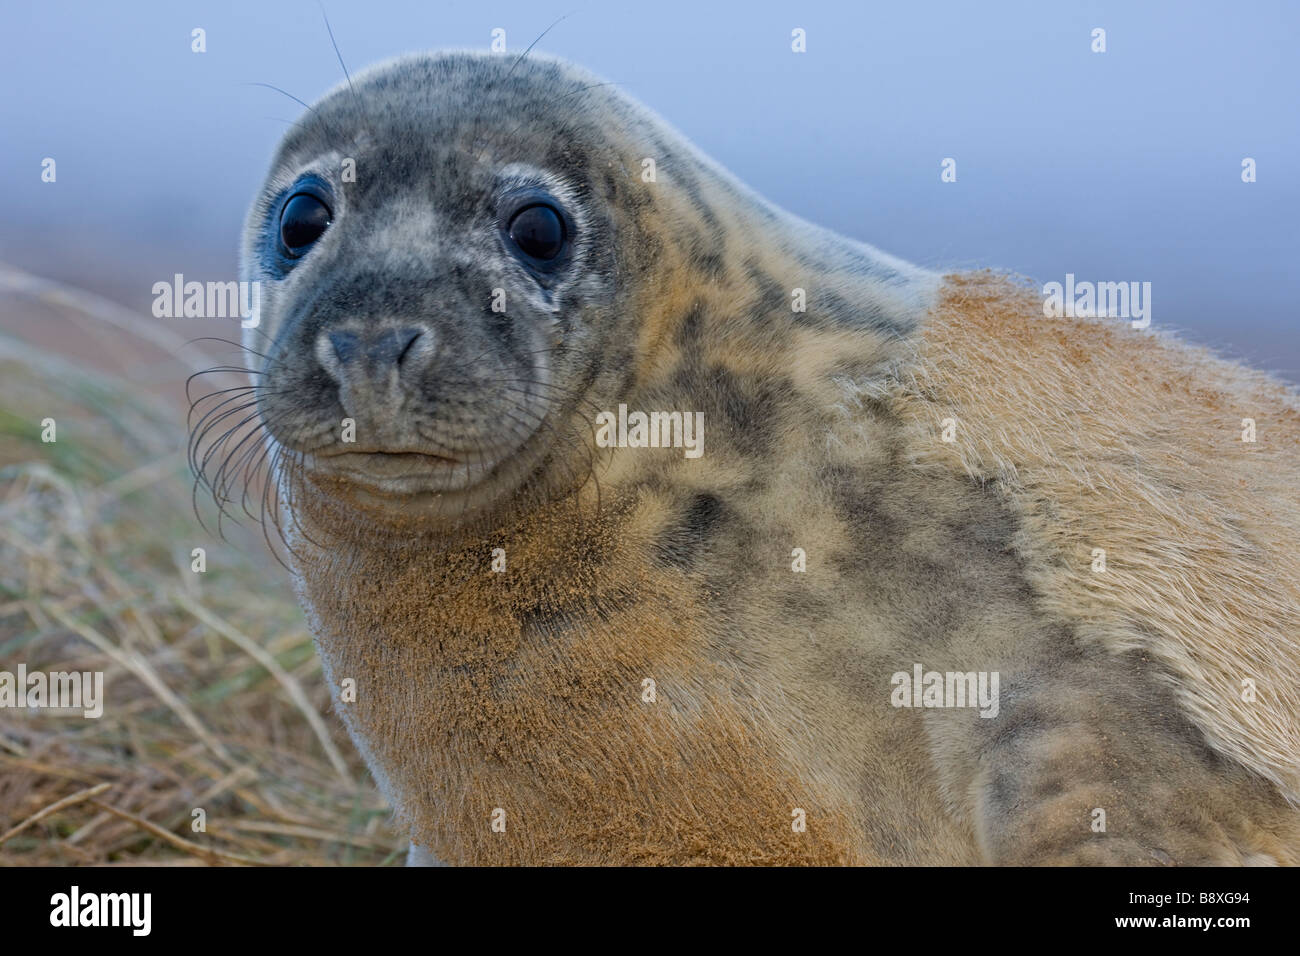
[(538, 231), (302, 221)]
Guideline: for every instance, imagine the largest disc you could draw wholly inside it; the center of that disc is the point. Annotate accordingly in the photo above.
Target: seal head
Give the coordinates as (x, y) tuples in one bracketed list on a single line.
[(461, 257)]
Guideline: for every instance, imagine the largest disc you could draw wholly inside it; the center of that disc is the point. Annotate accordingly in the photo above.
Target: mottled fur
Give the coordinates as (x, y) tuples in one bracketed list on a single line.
[(523, 690)]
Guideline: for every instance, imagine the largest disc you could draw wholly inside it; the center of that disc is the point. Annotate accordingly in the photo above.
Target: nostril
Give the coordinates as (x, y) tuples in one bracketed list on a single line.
[(346, 345), (410, 335)]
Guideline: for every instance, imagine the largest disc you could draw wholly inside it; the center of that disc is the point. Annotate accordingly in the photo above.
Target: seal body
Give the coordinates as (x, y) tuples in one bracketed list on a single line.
[(570, 644)]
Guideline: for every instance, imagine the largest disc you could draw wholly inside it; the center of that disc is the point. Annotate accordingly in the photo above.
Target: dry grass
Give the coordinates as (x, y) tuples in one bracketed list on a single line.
[(214, 696)]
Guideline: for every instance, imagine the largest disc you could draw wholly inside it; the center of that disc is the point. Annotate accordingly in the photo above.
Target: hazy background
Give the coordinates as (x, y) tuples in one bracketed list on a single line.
[(1116, 166)]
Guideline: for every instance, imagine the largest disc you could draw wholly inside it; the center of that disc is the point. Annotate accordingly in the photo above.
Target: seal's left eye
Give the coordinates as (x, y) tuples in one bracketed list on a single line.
[(538, 231), (302, 222)]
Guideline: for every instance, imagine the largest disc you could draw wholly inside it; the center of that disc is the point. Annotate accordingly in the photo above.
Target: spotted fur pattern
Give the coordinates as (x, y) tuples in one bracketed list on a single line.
[(523, 694)]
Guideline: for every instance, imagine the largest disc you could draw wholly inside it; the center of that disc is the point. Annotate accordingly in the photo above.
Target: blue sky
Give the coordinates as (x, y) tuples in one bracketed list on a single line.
[(1116, 166)]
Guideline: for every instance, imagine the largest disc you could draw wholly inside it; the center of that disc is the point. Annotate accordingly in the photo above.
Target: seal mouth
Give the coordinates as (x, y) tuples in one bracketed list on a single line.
[(393, 456), (396, 472)]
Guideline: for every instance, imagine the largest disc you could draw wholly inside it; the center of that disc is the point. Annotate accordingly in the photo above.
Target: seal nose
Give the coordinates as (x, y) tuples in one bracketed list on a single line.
[(378, 355), (383, 349)]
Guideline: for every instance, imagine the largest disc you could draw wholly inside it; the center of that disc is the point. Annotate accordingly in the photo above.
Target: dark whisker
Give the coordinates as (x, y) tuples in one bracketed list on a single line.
[(534, 43), (230, 342), (315, 113), (348, 76)]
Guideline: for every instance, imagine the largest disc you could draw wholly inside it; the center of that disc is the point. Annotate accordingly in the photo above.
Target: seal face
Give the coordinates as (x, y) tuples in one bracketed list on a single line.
[(566, 651), (447, 301)]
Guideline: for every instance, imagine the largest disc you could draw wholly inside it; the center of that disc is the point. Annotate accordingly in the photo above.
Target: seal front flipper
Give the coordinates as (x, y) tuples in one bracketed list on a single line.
[(1097, 765)]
